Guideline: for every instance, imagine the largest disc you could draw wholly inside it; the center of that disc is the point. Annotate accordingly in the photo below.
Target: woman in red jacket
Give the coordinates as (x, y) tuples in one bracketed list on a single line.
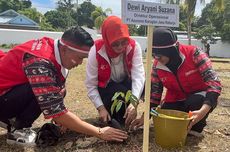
[(187, 74), (114, 65)]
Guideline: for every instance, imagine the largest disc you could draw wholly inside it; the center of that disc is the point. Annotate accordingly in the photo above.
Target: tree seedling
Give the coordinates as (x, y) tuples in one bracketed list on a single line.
[(121, 98)]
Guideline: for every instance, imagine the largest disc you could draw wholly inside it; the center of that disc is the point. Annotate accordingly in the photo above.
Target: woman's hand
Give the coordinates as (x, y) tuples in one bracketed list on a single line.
[(137, 123), (103, 114), (112, 134), (130, 115), (197, 115)]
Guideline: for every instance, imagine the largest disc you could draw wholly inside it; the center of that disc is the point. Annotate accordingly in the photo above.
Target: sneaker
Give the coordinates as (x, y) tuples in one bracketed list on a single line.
[(195, 133), (25, 137)]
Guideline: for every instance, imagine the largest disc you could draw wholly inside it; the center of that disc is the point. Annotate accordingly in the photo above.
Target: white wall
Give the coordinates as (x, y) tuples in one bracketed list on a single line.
[(12, 36)]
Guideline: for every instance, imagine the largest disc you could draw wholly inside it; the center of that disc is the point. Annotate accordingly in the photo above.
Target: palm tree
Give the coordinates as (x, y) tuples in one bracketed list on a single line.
[(99, 16)]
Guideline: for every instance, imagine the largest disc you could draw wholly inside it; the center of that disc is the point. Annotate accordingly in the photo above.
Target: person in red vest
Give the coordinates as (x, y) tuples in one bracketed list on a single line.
[(187, 75), (114, 65), (32, 81)]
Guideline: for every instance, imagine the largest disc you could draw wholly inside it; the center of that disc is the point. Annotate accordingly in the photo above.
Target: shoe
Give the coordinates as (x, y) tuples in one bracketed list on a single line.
[(25, 137), (196, 134)]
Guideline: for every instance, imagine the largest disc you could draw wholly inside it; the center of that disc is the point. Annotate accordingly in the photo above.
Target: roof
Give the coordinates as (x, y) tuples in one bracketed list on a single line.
[(12, 18)]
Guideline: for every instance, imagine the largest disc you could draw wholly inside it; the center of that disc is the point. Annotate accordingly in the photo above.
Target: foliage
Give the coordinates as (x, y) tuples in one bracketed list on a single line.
[(206, 33), (59, 19), (14, 4), (225, 32), (219, 18), (99, 16), (120, 98), (84, 14), (7, 46)]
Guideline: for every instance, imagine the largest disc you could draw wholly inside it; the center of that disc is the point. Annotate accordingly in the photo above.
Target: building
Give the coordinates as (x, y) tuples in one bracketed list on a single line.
[(10, 19)]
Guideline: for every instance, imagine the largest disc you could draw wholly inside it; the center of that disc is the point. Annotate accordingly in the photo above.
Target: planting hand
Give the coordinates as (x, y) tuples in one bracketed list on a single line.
[(112, 134), (137, 123), (197, 115), (103, 114), (130, 115)]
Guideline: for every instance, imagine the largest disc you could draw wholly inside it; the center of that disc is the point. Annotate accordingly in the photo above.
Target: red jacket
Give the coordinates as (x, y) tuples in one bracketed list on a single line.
[(11, 65), (187, 81), (104, 69)]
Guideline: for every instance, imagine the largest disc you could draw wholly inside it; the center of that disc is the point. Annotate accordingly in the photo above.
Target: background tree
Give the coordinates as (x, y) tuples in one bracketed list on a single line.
[(57, 19), (98, 16), (66, 7), (14, 4), (84, 14)]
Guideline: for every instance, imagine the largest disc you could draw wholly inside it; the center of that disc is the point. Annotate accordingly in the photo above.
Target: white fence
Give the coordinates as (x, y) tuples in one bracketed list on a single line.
[(12, 36)]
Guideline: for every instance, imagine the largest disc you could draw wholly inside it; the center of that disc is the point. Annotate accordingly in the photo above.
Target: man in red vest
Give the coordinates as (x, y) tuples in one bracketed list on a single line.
[(32, 81), (187, 74), (114, 65)]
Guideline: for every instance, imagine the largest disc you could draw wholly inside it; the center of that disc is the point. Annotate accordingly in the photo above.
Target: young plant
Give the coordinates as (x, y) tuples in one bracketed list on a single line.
[(126, 99)]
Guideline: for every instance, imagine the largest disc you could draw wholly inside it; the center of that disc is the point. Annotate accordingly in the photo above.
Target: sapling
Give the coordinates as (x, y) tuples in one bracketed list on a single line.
[(121, 98)]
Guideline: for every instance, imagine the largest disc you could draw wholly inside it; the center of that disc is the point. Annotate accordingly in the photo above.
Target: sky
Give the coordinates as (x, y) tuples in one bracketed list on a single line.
[(46, 5)]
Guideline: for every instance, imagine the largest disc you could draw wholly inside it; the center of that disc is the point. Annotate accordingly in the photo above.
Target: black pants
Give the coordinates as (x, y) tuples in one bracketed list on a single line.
[(107, 94), (19, 103), (193, 102)]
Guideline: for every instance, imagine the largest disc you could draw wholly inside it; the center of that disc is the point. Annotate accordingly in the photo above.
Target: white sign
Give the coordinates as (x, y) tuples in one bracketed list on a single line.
[(148, 13)]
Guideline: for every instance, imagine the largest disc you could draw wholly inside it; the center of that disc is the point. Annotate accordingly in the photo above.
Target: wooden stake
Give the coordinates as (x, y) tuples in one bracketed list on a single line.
[(147, 89)]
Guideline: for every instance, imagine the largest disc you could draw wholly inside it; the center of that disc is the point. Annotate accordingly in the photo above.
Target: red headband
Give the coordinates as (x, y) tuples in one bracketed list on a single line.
[(73, 47)]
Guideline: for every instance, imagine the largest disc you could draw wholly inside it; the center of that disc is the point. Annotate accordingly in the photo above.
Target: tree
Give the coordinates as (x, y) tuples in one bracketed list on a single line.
[(99, 16), (219, 18), (84, 14), (67, 7), (14, 4), (57, 19), (225, 32)]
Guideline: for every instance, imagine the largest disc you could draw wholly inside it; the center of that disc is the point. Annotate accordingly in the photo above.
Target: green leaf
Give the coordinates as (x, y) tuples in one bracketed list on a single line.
[(113, 106), (119, 105), (115, 96), (122, 94), (134, 100), (127, 96)]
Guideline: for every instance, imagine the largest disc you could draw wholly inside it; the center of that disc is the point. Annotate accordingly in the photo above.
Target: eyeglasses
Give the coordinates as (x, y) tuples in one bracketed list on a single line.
[(118, 43)]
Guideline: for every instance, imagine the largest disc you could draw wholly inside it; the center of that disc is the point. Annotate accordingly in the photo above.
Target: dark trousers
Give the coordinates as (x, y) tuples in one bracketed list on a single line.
[(19, 103), (193, 102), (107, 94)]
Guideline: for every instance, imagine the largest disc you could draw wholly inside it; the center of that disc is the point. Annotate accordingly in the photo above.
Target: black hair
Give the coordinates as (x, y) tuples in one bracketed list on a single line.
[(77, 35)]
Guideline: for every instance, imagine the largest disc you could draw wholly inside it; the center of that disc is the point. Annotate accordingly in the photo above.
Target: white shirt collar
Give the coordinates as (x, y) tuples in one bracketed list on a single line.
[(64, 71)]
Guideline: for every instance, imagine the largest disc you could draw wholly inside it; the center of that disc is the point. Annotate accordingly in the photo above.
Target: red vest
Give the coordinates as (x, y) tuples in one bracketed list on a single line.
[(11, 65), (2, 54), (104, 69), (187, 81)]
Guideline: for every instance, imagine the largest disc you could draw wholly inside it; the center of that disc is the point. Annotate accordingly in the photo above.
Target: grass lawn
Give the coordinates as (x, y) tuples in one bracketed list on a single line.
[(216, 134)]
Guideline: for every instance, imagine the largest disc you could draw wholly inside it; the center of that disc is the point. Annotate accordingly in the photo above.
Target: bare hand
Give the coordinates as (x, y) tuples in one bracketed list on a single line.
[(112, 134), (103, 114), (130, 115), (137, 123), (197, 115)]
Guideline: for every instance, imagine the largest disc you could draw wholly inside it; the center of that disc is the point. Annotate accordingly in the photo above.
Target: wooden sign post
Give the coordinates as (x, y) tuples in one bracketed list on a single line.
[(148, 13)]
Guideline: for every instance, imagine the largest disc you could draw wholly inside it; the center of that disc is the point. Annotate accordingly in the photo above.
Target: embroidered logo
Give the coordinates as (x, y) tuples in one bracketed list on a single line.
[(103, 67)]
